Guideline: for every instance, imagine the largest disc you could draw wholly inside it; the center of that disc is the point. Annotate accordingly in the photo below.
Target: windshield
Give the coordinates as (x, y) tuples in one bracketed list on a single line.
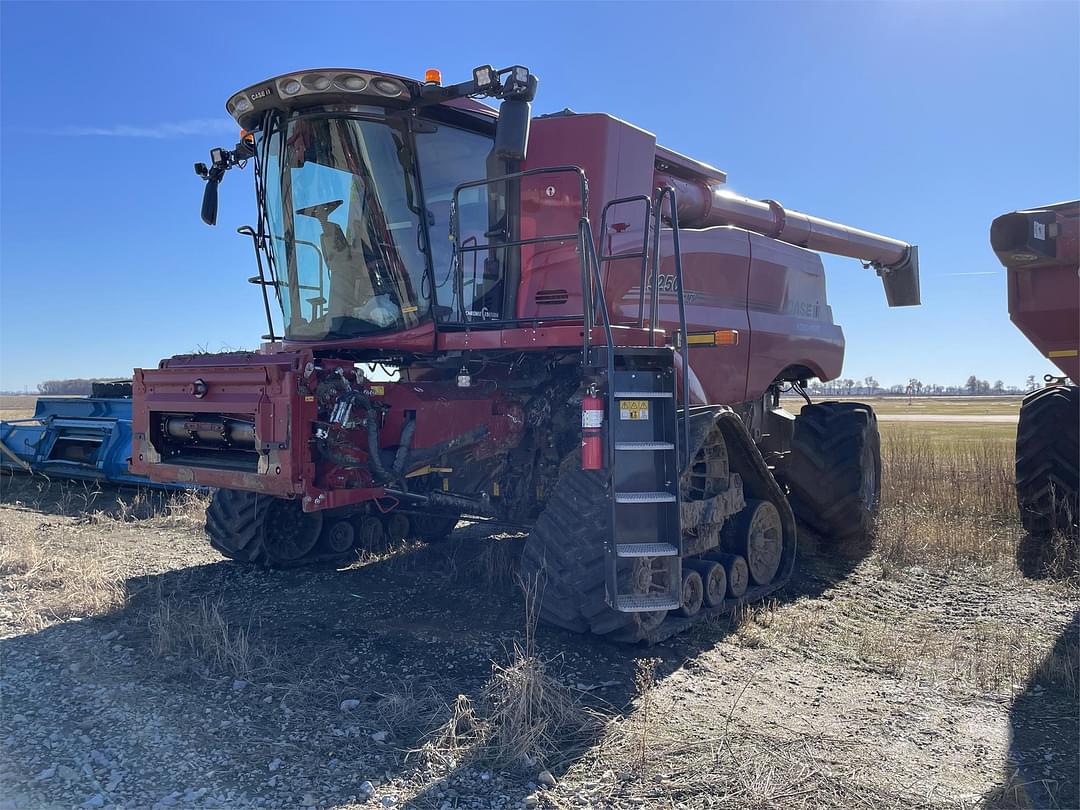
[(345, 234)]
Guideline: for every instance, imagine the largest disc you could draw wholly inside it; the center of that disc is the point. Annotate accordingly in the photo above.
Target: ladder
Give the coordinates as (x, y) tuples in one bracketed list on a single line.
[(647, 435)]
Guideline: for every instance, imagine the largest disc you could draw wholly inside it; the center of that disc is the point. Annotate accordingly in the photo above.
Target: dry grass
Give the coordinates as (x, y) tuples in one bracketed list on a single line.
[(49, 586), (946, 504), (523, 718), (201, 632)]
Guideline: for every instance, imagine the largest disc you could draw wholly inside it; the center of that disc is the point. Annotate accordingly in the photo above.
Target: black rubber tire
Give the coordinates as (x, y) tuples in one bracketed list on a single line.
[(238, 525), (1047, 486), (833, 474), (564, 557)]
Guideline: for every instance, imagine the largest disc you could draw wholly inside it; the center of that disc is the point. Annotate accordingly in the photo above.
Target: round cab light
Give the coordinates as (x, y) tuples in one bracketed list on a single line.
[(386, 87), (354, 84), (242, 105), (290, 87), (316, 81)]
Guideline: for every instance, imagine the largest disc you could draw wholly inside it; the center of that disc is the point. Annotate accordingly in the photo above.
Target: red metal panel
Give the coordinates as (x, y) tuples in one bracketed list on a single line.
[(790, 319)]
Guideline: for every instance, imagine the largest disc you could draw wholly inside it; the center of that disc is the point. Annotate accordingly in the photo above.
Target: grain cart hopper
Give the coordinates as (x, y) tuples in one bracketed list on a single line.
[(590, 334), (1040, 248)]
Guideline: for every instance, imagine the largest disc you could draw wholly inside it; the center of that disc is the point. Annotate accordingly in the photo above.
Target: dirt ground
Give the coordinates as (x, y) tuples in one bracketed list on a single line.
[(142, 670)]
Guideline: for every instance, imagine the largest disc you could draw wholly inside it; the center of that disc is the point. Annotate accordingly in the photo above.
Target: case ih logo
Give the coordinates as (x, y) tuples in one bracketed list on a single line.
[(260, 94)]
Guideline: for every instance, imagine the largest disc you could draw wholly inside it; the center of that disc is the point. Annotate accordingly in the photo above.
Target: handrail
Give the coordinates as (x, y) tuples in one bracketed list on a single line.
[(455, 224), (683, 343), (643, 255)]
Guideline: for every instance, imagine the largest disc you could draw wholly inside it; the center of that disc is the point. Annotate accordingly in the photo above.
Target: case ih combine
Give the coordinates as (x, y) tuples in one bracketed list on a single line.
[(1040, 249), (590, 340)]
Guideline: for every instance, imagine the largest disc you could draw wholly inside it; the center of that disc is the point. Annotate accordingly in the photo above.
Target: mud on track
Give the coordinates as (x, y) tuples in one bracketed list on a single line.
[(852, 689)]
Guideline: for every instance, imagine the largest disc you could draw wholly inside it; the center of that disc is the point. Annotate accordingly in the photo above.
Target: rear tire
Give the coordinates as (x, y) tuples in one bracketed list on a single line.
[(833, 474), (1047, 449), (262, 530)]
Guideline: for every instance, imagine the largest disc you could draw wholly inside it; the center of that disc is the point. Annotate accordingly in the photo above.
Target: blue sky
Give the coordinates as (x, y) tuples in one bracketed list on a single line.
[(919, 120)]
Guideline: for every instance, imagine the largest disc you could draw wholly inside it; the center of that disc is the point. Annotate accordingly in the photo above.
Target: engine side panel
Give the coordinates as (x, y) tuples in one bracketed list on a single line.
[(791, 321)]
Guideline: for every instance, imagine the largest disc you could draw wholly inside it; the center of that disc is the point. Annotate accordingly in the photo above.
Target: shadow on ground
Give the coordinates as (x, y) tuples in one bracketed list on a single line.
[(342, 677), (1043, 770)]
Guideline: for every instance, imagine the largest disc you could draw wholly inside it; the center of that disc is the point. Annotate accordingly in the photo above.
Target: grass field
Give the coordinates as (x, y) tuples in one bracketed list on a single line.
[(17, 407), (951, 406)]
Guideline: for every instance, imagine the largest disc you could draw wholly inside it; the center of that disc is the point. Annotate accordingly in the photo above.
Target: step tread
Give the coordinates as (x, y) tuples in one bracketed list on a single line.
[(643, 395), (646, 550), (644, 446), (644, 497), (634, 603)]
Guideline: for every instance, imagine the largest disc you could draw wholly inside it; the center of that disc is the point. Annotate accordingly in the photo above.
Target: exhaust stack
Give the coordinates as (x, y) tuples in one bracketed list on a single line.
[(703, 205)]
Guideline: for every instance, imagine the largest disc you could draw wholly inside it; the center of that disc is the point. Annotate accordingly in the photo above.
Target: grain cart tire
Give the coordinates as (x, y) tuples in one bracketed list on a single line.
[(833, 474), (258, 529), (1047, 487), (564, 558)]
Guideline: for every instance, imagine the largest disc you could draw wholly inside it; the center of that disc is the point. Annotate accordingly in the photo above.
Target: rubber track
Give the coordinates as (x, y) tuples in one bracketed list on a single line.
[(1047, 450), (565, 556), (824, 476), (235, 524)]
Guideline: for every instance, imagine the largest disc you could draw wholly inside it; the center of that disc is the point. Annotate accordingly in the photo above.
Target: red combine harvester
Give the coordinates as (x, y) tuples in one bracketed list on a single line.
[(1040, 249), (589, 338)]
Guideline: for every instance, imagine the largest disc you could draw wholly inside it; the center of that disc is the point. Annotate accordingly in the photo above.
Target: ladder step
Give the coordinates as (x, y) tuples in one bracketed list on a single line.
[(644, 497), (644, 446), (633, 603), (646, 550), (643, 395)]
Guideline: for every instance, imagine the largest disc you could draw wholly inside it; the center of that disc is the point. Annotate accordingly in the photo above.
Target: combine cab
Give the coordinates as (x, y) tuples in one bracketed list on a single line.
[(1040, 249), (587, 334)]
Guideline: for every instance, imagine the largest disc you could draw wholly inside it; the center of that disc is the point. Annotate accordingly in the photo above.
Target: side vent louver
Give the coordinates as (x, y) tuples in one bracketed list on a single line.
[(551, 297)]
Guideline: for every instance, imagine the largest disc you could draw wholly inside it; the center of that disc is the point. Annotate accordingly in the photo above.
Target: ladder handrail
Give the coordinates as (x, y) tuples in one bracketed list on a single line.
[(681, 336), (643, 255)]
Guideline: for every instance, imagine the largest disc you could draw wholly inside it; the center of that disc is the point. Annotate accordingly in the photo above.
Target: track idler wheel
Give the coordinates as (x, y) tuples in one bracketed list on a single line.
[(738, 574), (397, 527), (371, 536), (759, 537), (339, 537), (713, 578), (693, 592)]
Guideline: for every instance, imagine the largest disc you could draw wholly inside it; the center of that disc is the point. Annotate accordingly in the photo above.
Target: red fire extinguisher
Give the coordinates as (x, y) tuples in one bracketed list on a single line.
[(592, 421)]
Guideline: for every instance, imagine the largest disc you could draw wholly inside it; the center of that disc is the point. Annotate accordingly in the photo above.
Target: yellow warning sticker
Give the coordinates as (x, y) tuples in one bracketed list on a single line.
[(378, 390), (633, 409)]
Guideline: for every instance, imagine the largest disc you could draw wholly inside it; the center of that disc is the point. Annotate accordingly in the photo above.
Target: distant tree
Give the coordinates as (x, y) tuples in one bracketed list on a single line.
[(915, 385), (999, 386), (1031, 384), (871, 385), (984, 386), (972, 384)]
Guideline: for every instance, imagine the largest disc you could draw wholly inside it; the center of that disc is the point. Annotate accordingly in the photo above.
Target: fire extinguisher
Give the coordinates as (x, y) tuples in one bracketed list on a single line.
[(592, 421)]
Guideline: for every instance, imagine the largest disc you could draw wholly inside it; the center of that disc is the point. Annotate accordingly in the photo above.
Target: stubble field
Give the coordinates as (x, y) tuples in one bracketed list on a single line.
[(141, 670)]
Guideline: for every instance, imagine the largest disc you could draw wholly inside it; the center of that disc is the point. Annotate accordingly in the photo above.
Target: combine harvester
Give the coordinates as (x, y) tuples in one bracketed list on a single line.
[(85, 438), (591, 336), (1040, 249)]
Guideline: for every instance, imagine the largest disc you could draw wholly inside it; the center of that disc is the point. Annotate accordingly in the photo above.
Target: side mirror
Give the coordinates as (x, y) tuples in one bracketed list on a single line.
[(209, 201), (512, 131)]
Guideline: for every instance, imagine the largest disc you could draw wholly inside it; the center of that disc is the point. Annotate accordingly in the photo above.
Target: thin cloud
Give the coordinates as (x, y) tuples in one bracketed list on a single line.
[(168, 129), (980, 273)]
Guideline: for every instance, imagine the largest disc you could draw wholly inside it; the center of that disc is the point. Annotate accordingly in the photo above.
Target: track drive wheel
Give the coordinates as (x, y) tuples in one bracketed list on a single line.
[(834, 474), (1047, 486), (252, 528)]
